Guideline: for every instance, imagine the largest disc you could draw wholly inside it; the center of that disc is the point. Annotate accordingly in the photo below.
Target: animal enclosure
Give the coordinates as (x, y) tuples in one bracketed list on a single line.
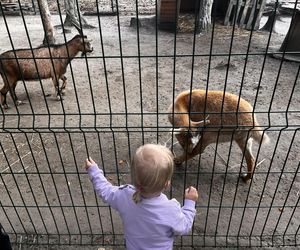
[(116, 99)]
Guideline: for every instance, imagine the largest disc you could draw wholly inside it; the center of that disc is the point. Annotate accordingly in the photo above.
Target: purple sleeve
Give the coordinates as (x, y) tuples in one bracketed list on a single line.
[(103, 187), (184, 222)]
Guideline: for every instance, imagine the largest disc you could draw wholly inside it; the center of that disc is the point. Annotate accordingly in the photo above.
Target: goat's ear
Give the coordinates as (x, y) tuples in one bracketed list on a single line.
[(87, 40)]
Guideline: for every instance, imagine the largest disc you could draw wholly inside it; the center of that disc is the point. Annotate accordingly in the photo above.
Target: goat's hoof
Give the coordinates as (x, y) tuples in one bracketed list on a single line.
[(246, 177), (59, 97), (18, 103), (5, 106)]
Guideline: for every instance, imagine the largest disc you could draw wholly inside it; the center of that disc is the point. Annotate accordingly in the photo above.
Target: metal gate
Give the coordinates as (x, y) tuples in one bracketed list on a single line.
[(117, 99)]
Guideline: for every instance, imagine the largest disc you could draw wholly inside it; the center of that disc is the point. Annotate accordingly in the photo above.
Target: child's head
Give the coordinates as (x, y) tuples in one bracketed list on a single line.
[(151, 170)]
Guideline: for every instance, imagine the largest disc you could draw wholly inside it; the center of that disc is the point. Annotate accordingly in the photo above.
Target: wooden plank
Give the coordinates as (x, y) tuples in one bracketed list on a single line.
[(245, 11), (237, 14), (228, 12), (260, 13), (252, 14)]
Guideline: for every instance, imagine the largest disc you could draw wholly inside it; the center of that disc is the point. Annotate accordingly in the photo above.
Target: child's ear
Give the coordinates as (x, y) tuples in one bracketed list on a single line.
[(168, 183)]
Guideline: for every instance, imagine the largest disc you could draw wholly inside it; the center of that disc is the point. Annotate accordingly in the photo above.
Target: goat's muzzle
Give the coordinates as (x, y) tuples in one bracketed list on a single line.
[(90, 50)]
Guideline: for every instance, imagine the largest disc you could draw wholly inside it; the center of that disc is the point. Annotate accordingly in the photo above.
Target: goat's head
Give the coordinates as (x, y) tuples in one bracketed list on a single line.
[(87, 46), (84, 44), (190, 135)]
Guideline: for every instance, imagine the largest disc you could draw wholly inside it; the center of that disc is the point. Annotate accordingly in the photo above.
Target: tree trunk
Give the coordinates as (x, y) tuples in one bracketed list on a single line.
[(205, 15), (47, 24), (74, 16)]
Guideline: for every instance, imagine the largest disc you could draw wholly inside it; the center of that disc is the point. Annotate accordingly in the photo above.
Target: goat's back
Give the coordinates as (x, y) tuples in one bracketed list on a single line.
[(225, 110), (31, 63)]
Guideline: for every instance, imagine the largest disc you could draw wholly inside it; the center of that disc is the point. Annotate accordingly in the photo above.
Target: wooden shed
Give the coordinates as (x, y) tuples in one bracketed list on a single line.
[(170, 10), (243, 13)]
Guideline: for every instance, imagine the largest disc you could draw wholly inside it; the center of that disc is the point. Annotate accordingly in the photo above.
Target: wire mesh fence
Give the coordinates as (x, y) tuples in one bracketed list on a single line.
[(117, 99)]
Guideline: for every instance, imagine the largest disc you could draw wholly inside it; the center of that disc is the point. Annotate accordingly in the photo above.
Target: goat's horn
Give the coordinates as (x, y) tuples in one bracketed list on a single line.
[(206, 121), (175, 130), (78, 28), (195, 124)]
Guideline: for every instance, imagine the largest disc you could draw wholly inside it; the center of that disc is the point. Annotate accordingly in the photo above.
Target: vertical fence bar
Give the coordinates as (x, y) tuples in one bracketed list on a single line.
[(97, 203), (253, 116), (68, 187), (9, 195), (108, 92), (54, 185), (277, 185), (80, 181), (139, 70), (157, 73), (52, 64)]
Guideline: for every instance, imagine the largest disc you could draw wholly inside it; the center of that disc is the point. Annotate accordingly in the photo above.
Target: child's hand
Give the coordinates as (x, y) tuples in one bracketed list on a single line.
[(89, 162), (191, 193)]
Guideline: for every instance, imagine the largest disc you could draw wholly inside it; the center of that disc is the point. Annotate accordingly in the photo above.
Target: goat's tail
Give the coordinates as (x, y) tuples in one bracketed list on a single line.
[(260, 136)]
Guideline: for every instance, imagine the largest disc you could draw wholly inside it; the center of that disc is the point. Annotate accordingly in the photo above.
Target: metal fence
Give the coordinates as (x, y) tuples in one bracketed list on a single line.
[(117, 99)]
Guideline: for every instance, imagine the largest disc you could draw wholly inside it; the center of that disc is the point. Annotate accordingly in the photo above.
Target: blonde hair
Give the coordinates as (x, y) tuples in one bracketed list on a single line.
[(151, 169)]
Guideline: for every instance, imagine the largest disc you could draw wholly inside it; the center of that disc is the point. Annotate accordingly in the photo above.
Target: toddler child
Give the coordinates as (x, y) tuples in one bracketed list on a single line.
[(149, 218)]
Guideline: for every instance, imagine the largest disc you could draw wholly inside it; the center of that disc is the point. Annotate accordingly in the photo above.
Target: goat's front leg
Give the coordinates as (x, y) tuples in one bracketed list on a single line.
[(12, 91), (3, 94), (186, 155), (183, 141), (55, 80)]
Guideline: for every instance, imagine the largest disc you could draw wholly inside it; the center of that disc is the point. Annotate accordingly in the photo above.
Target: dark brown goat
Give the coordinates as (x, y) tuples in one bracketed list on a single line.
[(39, 63)]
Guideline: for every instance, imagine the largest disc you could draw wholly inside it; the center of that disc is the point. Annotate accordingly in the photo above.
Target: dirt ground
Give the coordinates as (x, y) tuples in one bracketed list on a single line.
[(126, 100)]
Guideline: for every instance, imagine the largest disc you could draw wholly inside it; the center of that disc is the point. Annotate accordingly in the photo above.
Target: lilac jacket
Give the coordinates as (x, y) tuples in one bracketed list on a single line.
[(150, 224)]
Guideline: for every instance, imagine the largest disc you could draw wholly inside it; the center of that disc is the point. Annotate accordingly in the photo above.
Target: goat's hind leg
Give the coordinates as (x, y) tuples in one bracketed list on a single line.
[(8, 88), (3, 94), (246, 147), (64, 84)]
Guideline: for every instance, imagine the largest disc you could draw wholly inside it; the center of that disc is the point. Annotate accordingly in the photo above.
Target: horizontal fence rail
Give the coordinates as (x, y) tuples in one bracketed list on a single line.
[(117, 99)]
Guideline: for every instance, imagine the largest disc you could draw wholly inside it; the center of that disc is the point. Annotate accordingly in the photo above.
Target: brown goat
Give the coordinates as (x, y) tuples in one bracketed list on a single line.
[(214, 117), (39, 63)]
